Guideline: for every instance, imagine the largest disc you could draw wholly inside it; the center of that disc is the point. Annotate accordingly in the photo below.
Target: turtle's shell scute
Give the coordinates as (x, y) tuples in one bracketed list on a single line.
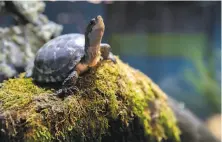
[(57, 58)]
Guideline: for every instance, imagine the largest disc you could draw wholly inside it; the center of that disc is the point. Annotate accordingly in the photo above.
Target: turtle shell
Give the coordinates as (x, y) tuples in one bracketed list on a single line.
[(57, 58)]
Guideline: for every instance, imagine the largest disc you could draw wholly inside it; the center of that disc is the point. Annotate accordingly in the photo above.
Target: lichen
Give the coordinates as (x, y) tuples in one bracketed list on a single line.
[(105, 93)]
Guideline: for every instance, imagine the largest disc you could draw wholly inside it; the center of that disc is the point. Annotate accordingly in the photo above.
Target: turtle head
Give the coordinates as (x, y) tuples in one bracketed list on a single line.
[(94, 31)]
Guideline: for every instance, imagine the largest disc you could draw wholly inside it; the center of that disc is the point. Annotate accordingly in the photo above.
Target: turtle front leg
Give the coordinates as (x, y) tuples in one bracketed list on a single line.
[(71, 79), (68, 85), (106, 54)]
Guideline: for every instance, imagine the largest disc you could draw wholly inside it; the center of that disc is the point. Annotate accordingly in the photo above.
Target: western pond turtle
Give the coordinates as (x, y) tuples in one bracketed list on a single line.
[(65, 57)]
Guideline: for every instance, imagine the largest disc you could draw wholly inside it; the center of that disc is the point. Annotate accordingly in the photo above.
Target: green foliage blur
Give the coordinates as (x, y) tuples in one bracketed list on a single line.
[(204, 79)]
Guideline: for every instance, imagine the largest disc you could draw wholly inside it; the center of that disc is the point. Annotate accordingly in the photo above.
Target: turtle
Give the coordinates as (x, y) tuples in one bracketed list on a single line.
[(64, 58)]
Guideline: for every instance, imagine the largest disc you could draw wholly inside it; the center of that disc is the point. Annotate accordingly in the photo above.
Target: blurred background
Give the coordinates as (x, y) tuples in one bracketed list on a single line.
[(177, 44)]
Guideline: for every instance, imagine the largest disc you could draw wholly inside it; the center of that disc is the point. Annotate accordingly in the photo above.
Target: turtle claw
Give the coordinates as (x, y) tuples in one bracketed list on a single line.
[(59, 92), (71, 79), (112, 58), (66, 91)]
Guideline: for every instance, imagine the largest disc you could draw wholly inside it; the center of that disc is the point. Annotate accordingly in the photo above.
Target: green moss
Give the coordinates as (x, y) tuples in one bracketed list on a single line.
[(17, 93), (107, 92)]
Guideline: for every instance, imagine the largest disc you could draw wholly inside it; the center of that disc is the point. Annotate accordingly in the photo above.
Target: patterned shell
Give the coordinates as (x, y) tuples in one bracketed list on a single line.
[(58, 58)]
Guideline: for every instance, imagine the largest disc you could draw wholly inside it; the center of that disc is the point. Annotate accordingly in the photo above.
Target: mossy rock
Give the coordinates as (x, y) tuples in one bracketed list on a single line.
[(111, 102)]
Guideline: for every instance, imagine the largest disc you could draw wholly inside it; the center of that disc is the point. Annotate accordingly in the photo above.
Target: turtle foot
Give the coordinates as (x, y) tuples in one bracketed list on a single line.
[(68, 87), (112, 58), (71, 79), (106, 53), (66, 91)]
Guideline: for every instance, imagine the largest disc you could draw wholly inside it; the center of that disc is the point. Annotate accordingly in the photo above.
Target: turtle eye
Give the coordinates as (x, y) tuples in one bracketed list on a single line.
[(92, 22)]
